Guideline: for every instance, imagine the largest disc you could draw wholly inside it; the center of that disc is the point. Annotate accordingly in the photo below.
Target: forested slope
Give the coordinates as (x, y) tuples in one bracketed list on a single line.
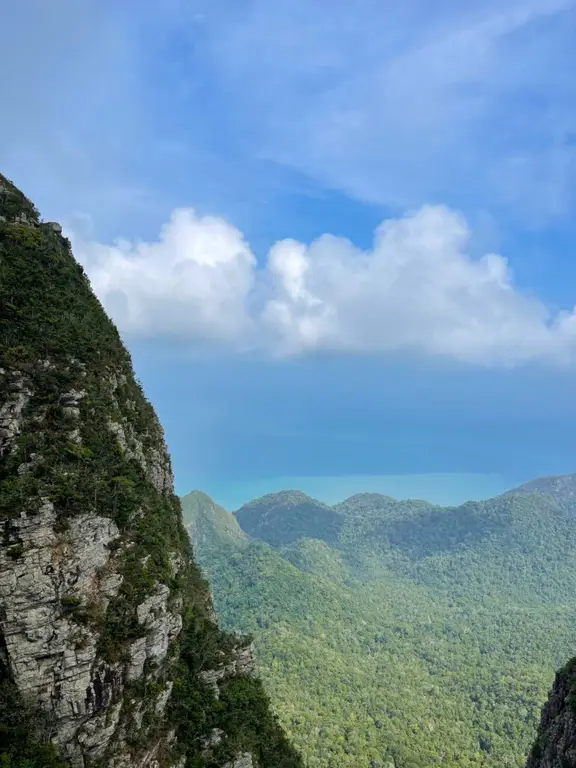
[(411, 635)]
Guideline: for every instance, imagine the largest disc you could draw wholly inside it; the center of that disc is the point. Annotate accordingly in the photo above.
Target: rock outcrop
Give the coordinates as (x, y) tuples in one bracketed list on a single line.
[(555, 745), (107, 631)]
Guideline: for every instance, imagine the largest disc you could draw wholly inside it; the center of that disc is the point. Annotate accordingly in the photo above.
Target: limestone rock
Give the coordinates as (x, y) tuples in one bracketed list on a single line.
[(555, 745), (243, 760), (11, 412), (50, 657), (243, 663), (213, 739), (105, 620), (162, 624)]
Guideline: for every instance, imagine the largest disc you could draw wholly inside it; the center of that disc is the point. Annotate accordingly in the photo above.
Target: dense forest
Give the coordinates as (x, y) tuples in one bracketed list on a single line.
[(396, 633)]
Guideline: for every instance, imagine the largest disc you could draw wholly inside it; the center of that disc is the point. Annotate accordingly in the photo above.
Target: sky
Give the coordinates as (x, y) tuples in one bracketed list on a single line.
[(338, 238)]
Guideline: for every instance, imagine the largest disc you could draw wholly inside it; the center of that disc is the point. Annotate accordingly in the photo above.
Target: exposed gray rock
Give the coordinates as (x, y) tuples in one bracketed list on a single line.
[(162, 623), (11, 411), (96, 575), (118, 430), (22, 218), (71, 403), (243, 663), (94, 736), (50, 656), (555, 745), (163, 698), (47, 573), (75, 437), (158, 471), (176, 563), (243, 760), (154, 462), (213, 739)]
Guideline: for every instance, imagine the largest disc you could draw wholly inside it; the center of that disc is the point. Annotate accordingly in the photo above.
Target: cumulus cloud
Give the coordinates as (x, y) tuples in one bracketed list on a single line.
[(195, 280), (416, 290)]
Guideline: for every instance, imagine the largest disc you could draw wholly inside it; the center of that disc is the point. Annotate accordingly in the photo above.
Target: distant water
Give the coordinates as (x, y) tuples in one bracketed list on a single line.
[(445, 489)]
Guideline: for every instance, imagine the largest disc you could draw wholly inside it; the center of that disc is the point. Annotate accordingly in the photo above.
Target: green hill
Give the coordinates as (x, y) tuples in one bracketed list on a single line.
[(209, 524), (562, 488), (281, 518), (406, 635), (526, 539)]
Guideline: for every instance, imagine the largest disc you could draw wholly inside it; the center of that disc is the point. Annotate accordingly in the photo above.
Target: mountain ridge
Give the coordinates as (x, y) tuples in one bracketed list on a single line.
[(205, 519), (562, 488), (265, 517), (281, 519), (481, 615)]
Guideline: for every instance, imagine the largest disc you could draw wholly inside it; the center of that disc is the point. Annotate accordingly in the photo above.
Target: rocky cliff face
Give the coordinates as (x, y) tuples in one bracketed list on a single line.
[(555, 745), (109, 649)]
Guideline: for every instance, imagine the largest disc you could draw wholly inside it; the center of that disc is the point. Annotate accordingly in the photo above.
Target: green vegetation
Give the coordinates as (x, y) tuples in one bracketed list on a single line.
[(266, 518), (422, 636), (61, 350), (390, 634), (243, 710), (25, 731), (209, 523)]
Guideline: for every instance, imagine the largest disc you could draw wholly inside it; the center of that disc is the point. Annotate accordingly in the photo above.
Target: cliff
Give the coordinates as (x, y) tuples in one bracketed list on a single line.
[(555, 745), (110, 654)]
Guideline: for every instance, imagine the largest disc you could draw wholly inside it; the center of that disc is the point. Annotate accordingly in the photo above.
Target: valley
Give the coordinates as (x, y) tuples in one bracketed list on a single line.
[(397, 633)]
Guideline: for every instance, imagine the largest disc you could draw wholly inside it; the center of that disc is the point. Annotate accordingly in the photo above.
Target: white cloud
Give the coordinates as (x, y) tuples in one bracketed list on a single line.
[(194, 281), (417, 290)]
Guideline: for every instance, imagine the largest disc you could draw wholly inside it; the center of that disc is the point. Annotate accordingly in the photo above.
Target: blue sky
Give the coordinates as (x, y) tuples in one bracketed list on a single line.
[(337, 237)]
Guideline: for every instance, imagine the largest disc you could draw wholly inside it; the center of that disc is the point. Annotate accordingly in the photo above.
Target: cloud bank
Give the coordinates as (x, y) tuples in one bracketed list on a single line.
[(417, 290)]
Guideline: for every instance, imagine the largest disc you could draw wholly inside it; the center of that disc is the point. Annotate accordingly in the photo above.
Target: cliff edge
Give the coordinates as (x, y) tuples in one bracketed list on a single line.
[(110, 654), (555, 745)]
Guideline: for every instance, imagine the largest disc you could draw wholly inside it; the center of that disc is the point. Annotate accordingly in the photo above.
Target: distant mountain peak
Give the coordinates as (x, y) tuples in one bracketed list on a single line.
[(205, 519), (200, 496), (368, 497), (562, 488), (485, 588), (281, 518), (287, 498)]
